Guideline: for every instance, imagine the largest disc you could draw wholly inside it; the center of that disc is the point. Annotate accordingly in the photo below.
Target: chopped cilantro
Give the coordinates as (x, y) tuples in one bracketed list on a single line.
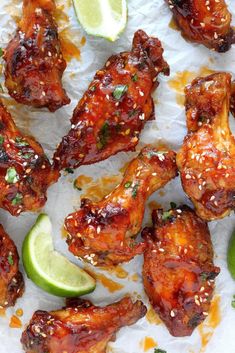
[(166, 215), (233, 303), (1, 52), (21, 142), (173, 205), (10, 260), (92, 88), (119, 91), (127, 184), (204, 276), (135, 190), (76, 186), (158, 350), (1, 139), (1, 88), (11, 176), (69, 170), (103, 136), (17, 199), (135, 78)]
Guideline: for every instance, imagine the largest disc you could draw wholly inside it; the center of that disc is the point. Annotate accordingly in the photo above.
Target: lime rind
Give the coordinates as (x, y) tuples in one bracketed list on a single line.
[(50, 270), (231, 256), (102, 18)]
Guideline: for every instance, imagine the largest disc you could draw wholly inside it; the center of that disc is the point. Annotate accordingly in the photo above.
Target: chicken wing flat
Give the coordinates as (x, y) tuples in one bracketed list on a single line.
[(25, 172), (11, 280), (34, 62), (81, 327), (116, 106), (178, 269), (104, 232), (204, 22), (206, 160)]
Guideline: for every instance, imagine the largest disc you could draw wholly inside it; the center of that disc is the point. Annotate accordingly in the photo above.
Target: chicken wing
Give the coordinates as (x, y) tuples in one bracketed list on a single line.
[(232, 103), (25, 172), (11, 280), (114, 110), (34, 62), (104, 232), (178, 269), (204, 22), (81, 327), (207, 158)]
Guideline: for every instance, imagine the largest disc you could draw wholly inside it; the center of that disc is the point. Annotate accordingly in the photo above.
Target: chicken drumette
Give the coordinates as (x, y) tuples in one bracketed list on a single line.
[(80, 327), (114, 110), (178, 269), (34, 62), (25, 172), (204, 22), (207, 158), (11, 280), (104, 232)]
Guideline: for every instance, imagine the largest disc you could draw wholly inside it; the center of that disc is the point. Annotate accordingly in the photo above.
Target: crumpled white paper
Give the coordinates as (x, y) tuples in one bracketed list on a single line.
[(153, 17)]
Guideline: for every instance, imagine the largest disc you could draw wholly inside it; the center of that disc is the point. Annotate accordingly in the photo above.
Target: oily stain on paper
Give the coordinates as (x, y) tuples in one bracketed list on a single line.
[(108, 283), (183, 78), (206, 330)]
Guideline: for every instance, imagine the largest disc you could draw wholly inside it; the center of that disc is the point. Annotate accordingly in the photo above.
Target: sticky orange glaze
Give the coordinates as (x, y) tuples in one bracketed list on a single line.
[(68, 48), (19, 312), (99, 188), (2, 312), (108, 283), (148, 343), (153, 205), (118, 271), (15, 322), (173, 24)]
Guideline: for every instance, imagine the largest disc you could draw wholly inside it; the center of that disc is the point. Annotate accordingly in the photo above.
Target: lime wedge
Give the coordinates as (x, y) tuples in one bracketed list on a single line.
[(231, 255), (50, 270), (102, 18)]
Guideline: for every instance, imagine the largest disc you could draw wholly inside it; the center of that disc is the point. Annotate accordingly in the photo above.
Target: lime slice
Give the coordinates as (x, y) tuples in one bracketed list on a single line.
[(231, 255), (50, 270), (102, 18)]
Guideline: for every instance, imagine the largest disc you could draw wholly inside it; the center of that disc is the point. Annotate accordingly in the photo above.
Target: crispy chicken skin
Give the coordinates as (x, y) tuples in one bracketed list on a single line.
[(178, 269), (25, 172), (204, 22), (11, 280), (104, 232), (113, 111), (34, 62), (81, 327), (206, 160), (232, 103)]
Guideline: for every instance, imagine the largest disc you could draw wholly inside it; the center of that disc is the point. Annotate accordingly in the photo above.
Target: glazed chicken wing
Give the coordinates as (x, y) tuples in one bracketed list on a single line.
[(25, 172), (114, 110), (104, 232), (204, 22), (11, 280), (207, 158), (178, 269), (80, 327), (34, 62)]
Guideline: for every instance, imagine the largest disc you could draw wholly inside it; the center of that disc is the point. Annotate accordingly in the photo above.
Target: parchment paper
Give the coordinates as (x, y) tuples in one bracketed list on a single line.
[(154, 17)]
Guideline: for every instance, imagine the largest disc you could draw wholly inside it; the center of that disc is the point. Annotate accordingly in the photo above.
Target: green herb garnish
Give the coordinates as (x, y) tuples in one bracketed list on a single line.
[(135, 190), (76, 186), (21, 142), (135, 78), (69, 170), (233, 303), (11, 176), (17, 199), (1, 88), (10, 260), (92, 88), (127, 184), (119, 91), (166, 215), (1, 52), (103, 136), (173, 205), (1, 139), (158, 350)]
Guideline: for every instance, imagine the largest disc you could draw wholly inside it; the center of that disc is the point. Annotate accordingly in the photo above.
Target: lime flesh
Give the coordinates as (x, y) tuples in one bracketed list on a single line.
[(50, 270), (231, 255), (103, 18)]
